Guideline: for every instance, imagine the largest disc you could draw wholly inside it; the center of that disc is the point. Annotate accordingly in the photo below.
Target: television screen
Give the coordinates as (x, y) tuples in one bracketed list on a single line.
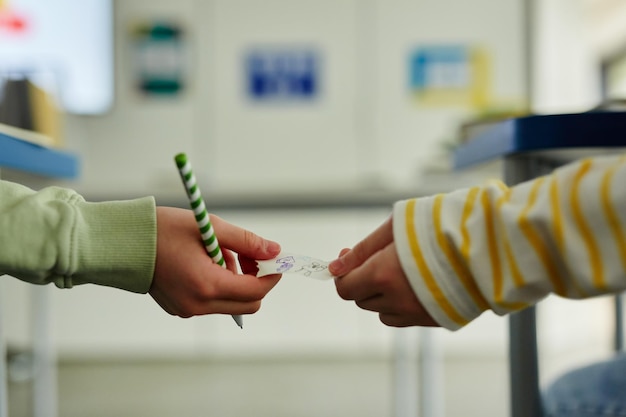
[(64, 46)]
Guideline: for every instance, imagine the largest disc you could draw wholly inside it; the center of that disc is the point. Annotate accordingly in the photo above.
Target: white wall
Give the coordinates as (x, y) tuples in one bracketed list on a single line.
[(364, 131), (566, 61)]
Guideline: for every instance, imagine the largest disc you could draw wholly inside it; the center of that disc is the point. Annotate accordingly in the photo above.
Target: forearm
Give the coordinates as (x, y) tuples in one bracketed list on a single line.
[(503, 249), (55, 236)]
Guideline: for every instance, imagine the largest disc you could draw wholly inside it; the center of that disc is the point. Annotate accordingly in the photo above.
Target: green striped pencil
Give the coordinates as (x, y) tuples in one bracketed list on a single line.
[(209, 238)]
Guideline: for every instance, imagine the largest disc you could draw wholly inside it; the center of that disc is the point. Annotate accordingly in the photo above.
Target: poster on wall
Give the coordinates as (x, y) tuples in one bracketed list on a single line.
[(159, 58), (450, 75), (282, 74)]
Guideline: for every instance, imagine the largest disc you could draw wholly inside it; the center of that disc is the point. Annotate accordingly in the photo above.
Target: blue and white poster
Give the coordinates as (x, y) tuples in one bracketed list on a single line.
[(282, 74)]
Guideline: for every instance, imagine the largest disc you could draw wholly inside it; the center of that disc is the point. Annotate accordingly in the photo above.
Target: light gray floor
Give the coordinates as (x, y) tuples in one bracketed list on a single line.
[(306, 388)]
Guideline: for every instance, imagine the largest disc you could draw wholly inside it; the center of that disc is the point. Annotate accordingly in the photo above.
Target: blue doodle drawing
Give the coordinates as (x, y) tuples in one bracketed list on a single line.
[(285, 263)]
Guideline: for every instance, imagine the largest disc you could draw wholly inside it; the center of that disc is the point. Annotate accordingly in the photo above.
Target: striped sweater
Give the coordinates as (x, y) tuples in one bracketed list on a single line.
[(503, 249)]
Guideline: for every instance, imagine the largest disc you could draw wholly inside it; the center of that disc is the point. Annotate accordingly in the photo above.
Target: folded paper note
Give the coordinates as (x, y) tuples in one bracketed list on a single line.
[(291, 263)]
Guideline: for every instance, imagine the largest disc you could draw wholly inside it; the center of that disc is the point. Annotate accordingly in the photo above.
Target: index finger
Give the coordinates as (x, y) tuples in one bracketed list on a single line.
[(243, 241), (363, 250)]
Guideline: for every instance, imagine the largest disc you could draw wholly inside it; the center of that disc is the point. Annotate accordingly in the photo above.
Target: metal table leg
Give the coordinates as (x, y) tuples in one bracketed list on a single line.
[(619, 323), (523, 365), (45, 376), (523, 358)]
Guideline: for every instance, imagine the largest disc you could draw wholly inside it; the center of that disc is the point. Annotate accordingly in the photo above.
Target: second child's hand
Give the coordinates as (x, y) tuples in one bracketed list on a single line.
[(371, 275)]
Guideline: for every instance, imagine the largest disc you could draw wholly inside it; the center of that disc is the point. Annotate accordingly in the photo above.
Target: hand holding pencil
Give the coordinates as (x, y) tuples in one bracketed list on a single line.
[(187, 282)]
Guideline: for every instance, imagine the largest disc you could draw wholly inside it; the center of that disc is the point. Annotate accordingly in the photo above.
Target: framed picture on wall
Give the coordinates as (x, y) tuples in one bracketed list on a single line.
[(286, 73)]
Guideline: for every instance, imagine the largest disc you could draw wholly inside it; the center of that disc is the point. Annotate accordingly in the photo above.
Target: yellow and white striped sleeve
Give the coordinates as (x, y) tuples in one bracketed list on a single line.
[(503, 249)]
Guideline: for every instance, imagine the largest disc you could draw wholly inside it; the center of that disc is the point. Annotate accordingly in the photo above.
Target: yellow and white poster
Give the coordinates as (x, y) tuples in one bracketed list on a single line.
[(450, 75)]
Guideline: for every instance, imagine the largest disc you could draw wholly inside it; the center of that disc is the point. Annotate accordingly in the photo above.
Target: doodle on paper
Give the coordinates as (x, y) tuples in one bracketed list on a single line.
[(312, 267), (296, 264)]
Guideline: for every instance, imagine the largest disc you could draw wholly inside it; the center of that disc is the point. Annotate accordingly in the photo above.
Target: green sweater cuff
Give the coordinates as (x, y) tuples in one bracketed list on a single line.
[(114, 245)]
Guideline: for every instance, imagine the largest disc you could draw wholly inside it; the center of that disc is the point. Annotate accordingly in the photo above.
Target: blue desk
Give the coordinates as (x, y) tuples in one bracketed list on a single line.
[(560, 137), (532, 146), (29, 157)]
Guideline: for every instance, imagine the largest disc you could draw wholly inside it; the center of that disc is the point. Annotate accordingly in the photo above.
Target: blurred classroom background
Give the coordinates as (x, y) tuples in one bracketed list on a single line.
[(305, 120)]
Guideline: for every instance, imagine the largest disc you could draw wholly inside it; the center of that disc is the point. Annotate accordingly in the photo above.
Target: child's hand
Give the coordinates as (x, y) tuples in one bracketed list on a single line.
[(188, 283), (371, 275)]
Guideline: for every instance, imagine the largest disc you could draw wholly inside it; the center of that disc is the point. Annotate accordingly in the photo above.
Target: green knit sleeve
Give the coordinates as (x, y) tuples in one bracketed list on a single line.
[(54, 235)]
